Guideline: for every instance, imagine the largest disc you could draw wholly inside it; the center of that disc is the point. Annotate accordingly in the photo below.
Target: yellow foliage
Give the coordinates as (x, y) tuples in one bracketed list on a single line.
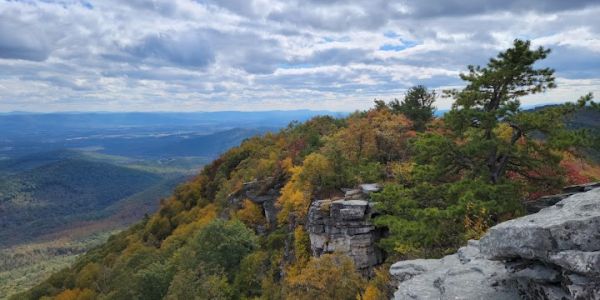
[(380, 135), (76, 294), (379, 287), (287, 164), (67, 295), (316, 170), (407, 251), (251, 214), (200, 217), (372, 293), (295, 197), (331, 276), (301, 245), (504, 132), (475, 222), (402, 171)]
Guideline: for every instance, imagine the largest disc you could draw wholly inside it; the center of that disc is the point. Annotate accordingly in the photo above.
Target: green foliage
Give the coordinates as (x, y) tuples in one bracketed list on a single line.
[(253, 271), (417, 105), (222, 245), (463, 173), (420, 227), (41, 200), (491, 135), (471, 172), (153, 281)]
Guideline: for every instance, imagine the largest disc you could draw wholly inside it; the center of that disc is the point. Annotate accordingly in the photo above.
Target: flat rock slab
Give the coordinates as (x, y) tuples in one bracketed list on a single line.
[(368, 188), (571, 224), (452, 278)]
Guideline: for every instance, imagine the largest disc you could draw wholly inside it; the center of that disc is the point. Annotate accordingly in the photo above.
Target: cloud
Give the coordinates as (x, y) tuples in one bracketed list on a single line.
[(455, 8), (186, 49), (20, 40), (273, 54)]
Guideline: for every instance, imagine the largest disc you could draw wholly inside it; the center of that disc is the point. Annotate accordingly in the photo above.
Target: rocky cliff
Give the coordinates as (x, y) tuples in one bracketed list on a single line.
[(552, 254), (345, 226)]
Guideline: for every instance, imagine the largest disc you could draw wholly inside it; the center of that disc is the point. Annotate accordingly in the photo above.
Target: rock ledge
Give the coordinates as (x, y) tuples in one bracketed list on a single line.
[(552, 254)]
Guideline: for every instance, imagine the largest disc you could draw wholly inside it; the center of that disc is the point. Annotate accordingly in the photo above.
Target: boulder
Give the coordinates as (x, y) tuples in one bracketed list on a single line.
[(464, 275), (571, 224), (552, 254)]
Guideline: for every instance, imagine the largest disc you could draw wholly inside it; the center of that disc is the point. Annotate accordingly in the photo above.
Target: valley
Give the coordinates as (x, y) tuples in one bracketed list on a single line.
[(69, 181)]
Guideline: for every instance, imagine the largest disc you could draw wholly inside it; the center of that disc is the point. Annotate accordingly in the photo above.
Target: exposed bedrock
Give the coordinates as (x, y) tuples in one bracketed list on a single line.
[(552, 254), (345, 226)]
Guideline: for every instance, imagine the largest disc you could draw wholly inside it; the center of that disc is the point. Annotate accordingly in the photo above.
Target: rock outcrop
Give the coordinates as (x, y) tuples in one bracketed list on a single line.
[(552, 254), (263, 193), (345, 226), (546, 201)]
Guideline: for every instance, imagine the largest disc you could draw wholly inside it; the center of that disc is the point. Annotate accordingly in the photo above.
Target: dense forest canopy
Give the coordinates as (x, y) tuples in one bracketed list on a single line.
[(446, 180)]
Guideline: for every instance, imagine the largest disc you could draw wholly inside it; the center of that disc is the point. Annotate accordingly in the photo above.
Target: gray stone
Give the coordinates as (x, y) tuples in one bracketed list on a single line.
[(552, 254), (587, 263), (571, 224), (533, 271), (581, 287), (452, 278), (368, 188), (353, 193), (543, 202), (345, 226)]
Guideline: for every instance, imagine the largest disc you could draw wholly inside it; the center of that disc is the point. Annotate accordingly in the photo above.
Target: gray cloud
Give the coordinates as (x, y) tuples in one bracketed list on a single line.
[(449, 8), (21, 40), (266, 54), (186, 49), (337, 56)]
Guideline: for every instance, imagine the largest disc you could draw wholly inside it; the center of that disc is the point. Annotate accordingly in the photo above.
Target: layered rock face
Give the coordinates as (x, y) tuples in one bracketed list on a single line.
[(345, 226), (552, 254)]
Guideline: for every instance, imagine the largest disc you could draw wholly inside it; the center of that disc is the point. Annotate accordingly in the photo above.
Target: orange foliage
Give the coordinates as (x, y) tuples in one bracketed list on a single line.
[(372, 293), (76, 294), (579, 170), (251, 214), (380, 135)]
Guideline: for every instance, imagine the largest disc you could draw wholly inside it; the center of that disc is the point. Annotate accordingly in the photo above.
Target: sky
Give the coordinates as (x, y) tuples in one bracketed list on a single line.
[(339, 55)]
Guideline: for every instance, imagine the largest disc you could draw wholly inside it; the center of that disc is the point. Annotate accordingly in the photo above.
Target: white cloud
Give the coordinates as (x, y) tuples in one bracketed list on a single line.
[(273, 54)]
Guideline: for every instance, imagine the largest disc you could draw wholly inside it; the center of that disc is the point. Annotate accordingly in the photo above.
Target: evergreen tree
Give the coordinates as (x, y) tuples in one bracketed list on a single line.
[(490, 135), (417, 105), (486, 154)]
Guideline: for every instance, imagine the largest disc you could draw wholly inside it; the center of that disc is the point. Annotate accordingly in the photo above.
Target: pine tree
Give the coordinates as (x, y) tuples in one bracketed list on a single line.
[(417, 105)]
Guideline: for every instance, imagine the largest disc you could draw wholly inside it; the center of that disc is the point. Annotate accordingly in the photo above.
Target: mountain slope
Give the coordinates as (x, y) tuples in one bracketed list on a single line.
[(45, 197), (237, 230)]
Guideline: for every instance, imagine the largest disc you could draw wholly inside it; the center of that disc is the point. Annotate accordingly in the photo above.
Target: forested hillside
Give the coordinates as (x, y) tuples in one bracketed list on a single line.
[(58, 204), (445, 180), (53, 194)]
